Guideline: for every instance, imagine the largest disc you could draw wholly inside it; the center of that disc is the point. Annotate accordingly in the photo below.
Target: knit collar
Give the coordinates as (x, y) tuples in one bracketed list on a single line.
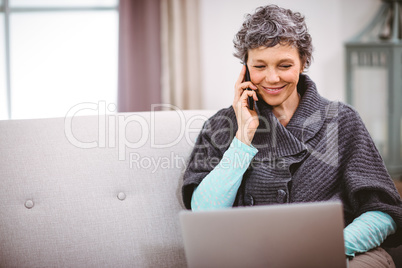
[(273, 140)]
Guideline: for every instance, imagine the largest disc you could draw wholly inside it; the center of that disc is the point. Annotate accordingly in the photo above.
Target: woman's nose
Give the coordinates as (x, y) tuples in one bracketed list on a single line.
[(272, 77)]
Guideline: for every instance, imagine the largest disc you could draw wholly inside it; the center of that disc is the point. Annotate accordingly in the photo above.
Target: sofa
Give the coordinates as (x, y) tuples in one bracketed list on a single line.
[(95, 191)]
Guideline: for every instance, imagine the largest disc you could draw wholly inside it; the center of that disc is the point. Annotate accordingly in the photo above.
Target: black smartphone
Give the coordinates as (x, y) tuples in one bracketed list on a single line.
[(250, 99)]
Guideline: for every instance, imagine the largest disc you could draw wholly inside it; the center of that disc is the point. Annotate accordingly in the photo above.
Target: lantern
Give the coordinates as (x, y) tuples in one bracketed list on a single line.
[(374, 81)]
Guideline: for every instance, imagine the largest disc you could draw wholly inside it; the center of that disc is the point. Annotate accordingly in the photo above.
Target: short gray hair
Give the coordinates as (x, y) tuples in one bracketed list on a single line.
[(271, 25)]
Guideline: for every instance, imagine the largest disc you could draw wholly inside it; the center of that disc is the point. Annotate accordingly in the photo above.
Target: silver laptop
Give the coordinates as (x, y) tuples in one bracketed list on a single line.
[(290, 235)]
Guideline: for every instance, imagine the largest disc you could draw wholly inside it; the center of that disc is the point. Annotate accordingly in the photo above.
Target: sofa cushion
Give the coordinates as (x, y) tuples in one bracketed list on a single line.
[(94, 191)]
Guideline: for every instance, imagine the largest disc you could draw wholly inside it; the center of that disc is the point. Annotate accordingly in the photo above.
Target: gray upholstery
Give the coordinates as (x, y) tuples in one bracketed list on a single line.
[(77, 192)]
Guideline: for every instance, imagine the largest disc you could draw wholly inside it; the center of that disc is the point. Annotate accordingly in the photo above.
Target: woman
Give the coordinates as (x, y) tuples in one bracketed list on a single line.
[(294, 146)]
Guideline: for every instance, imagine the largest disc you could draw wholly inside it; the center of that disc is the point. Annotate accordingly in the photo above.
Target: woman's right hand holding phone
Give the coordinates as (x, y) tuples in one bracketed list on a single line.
[(247, 120)]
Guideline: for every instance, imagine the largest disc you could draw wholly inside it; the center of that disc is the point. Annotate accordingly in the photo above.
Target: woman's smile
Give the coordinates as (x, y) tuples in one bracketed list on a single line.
[(273, 90)]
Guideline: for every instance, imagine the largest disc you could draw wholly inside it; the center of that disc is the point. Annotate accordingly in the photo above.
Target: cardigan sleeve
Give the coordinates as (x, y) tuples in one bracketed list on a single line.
[(218, 189), (213, 140), (367, 182)]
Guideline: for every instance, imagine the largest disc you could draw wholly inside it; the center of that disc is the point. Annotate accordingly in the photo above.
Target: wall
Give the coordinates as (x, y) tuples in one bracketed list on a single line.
[(331, 23)]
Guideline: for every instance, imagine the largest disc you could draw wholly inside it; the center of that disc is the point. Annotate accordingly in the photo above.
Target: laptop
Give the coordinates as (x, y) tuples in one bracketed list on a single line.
[(288, 235)]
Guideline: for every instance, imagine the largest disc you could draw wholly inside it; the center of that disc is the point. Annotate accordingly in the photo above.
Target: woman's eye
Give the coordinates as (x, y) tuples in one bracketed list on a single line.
[(286, 66), (259, 66)]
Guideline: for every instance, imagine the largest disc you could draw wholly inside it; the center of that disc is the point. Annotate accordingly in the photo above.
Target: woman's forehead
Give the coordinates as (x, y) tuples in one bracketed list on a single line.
[(276, 52)]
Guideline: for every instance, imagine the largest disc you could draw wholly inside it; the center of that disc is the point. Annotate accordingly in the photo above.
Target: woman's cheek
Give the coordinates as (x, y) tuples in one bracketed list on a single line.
[(291, 75), (256, 78)]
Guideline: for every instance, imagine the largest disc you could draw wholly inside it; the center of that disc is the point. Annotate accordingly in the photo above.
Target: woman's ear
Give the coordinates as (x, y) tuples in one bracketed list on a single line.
[(302, 67)]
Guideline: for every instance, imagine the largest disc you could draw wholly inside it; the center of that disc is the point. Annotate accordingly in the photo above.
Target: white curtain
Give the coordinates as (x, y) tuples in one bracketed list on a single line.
[(181, 78)]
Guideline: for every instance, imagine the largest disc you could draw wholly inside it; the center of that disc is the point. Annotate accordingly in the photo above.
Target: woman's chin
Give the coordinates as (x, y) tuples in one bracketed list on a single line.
[(271, 101)]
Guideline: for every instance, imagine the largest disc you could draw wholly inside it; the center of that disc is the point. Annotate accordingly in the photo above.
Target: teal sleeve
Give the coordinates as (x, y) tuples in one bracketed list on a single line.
[(219, 188), (368, 231)]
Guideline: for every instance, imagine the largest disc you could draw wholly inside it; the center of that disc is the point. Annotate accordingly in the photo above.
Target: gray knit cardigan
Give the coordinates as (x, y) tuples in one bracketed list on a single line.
[(324, 153)]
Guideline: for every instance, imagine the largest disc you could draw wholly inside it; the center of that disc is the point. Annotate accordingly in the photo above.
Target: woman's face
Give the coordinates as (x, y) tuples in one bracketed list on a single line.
[(275, 71)]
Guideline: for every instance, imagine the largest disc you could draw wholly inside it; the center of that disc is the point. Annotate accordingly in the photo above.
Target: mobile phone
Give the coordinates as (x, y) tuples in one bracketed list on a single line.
[(250, 99)]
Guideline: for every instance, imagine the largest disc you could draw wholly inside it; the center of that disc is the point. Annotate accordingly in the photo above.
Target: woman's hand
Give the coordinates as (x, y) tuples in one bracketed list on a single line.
[(247, 120)]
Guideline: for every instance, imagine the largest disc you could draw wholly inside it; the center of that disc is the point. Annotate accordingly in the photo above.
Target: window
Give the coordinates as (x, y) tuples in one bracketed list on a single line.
[(62, 53), (3, 85)]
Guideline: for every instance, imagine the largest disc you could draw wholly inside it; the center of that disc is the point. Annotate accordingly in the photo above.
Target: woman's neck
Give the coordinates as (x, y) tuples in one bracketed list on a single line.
[(285, 111)]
